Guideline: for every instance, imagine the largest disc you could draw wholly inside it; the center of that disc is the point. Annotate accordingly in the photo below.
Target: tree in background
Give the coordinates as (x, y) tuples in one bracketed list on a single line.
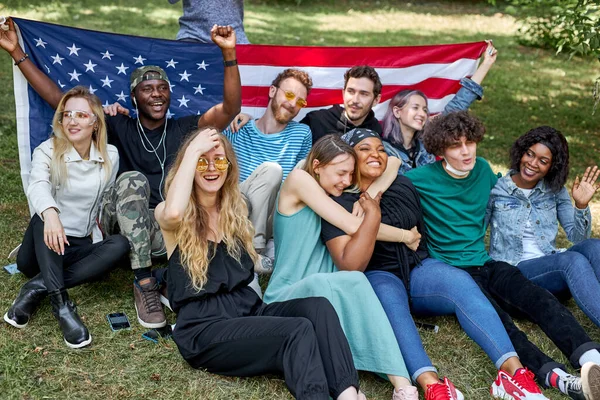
[(567, 26)]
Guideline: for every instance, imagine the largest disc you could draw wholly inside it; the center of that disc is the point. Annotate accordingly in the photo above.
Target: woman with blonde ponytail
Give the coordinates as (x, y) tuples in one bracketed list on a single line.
[(222, 324), (69, 174)]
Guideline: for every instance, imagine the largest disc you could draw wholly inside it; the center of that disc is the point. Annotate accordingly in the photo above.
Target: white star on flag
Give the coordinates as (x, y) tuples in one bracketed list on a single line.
[(438, 72), (74, 50), (171, 86), (105, 104), (183, 101), (171, 63), (122, 96), (47, 69), (185, 76), (169, 114), (57, 59), (122, 69), (199, 89), (40, 42), (202, 65), (74, 75), (89, 66), (106, 81)]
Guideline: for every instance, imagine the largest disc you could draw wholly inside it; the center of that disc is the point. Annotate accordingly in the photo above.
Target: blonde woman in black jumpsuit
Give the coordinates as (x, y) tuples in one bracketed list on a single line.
[(222, 324)]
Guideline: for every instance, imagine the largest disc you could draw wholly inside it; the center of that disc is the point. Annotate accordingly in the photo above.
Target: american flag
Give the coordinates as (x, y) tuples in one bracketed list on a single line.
[(103, 62)]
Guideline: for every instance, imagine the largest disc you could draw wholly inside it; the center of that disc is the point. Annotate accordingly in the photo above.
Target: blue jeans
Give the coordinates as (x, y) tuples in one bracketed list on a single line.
[(439, 289), (576, 270)]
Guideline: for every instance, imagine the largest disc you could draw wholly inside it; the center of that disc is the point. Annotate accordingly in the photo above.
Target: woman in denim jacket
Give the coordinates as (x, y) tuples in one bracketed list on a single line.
[(525, 208), (408, 112)]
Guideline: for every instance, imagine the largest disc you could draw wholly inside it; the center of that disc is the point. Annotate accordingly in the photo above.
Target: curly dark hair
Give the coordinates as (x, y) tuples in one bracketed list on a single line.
[(364, 71), (445, 130), (556, 142)]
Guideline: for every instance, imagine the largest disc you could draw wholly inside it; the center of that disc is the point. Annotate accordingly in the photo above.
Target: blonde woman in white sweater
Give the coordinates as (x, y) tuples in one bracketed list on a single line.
[(69, 174)]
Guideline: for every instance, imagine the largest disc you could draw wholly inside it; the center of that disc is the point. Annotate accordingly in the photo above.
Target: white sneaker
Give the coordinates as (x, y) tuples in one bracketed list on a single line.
[(590, 381)]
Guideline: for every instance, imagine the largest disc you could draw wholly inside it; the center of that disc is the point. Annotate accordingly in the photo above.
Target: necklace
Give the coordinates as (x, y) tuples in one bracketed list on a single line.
[(152, 149)]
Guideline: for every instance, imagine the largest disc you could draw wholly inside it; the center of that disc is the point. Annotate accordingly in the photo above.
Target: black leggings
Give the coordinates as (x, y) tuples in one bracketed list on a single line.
[(300, 338), (83, 261)]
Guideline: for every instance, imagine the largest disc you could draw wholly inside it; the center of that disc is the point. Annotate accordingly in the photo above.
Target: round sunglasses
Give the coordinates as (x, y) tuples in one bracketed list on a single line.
[(220, 164)]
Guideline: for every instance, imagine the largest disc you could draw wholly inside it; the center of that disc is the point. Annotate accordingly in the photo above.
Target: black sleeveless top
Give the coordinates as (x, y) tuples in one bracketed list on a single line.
[(225, 275)]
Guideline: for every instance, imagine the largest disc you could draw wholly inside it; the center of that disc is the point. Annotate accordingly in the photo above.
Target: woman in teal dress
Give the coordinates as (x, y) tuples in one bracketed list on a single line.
[(304, 268)]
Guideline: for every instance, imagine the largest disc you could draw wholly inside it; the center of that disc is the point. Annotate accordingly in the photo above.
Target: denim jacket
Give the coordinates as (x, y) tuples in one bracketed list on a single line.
[(508, 210), (468, 93), (421, 158)]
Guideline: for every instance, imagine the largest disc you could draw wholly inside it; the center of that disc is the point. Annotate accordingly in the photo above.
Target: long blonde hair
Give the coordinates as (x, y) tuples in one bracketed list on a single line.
[(234, 226), (61, 143)]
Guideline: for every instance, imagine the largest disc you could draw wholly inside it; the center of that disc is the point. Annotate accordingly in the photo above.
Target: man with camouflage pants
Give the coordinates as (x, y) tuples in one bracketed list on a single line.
[(146, 145)]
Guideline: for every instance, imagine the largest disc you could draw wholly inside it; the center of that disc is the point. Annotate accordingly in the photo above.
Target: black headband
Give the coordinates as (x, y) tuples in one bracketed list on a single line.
[(357, 135)]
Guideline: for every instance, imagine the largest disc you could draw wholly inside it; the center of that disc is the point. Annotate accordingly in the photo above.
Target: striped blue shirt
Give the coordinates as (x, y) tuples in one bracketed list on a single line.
[(252, 147)]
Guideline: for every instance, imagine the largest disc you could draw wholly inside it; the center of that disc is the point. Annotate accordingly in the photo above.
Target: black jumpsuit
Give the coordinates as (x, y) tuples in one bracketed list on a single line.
[(227, 329)]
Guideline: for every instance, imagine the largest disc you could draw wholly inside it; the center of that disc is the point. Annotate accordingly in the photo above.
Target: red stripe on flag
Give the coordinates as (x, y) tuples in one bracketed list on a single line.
[(379, 57), (435, 88)]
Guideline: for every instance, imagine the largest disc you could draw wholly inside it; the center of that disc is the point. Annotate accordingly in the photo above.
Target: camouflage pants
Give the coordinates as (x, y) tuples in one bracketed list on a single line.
[(125, 209)]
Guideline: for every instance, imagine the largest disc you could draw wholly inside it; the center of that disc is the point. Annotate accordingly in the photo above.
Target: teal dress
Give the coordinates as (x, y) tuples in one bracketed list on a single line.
[(304, 268)]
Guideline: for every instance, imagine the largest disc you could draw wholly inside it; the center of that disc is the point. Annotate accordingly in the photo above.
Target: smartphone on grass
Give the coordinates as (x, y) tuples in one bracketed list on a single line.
[(118, 321)]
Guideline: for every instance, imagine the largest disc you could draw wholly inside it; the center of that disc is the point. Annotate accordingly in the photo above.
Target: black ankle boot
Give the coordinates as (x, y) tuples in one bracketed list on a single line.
[(74, 331), (30, 296)]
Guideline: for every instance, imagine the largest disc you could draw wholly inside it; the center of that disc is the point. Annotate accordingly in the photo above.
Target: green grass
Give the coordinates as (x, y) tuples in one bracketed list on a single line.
[(526, 88)]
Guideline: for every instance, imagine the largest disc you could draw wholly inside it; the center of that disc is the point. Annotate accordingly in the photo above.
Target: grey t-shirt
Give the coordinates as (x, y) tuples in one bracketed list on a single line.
[(199, 16)]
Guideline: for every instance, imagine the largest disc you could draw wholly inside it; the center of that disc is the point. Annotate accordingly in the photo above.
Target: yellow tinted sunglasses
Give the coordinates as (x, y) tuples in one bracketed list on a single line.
[(290, 96), (220, 163)]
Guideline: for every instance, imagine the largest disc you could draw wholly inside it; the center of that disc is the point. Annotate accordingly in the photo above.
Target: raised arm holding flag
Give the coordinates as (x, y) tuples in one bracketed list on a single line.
[(146, 144)]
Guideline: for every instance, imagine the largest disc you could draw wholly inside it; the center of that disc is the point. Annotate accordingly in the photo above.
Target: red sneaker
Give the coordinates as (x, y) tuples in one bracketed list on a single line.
[(520, 386), (443, 391)]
